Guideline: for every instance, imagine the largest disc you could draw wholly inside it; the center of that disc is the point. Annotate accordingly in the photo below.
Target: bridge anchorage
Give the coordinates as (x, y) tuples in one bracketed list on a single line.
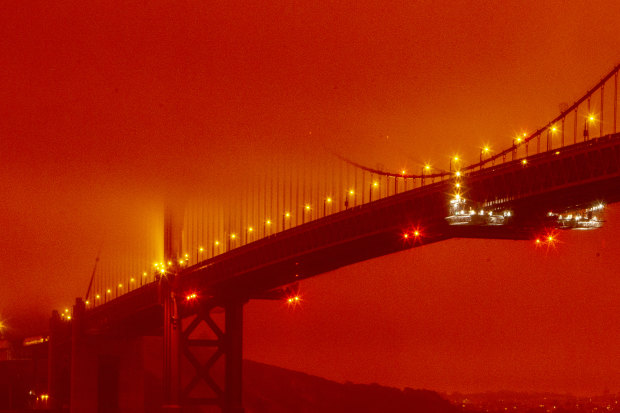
[(185, 314)]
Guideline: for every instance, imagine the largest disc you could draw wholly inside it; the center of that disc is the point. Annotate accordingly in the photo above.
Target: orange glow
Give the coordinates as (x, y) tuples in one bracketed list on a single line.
[(108, 291), (375, 184), (406, 236), (191, 296), (293, 300), (427, 167), (403, 172), (524, 162), (288, 215), (268, 222), (97, 297), (329, 200), (307, 207), (351, 192), (217, 243), (416, 233), (233, 236), (250, 229), (201, 249)]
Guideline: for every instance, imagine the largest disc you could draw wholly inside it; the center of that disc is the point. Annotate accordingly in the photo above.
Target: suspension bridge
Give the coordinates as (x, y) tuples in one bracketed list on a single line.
[(289, 225)]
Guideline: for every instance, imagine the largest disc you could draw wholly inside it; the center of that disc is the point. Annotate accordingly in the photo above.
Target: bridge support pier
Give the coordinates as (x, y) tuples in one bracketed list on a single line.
[(194, 343), (58, 363), (171, 376), (234, 358)]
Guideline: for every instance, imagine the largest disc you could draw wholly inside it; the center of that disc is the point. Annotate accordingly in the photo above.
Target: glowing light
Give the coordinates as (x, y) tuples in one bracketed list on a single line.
[(538, 241), (427, 167), (307, 206), (250, 229), (550, 238), (170, 262), (156, 265), (485, 149), (120, 286), (233, 236), (97, 297), (458, 185), (268, 222), (66, 310), (553, 129), (191, 297), (458, 173), (68, 317), (132, 280), (217, 243), (351, 192), (186, 256), (416, 233), (403, 172), (406, 236), (288, 214), (456, 158), (457, 197), (293, 300), (163, 270), (329, 200), (144, 274), (109, 291), (87, 302), (524, 162), (201, 249), (591, 118), (375, 184), (557, 152)]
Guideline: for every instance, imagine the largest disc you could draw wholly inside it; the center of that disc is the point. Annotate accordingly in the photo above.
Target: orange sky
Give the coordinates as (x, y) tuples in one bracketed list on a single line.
[(107, 106)]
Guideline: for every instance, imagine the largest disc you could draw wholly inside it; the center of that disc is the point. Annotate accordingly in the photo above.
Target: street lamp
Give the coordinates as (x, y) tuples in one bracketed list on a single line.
[(326, 201), (266, 224), (307, 208), (455, 159), (375, 184), (346, 200), (426, 168), (484, 150)]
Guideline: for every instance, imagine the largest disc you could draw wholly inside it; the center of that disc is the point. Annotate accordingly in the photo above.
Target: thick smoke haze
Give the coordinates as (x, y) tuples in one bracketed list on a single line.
[(107, 108)]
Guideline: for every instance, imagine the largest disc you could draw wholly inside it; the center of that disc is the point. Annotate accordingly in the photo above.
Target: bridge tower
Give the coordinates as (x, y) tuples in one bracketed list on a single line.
[(183, 317)]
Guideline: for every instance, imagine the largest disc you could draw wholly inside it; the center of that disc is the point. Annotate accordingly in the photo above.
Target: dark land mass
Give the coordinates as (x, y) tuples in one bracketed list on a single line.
[(270, 389)]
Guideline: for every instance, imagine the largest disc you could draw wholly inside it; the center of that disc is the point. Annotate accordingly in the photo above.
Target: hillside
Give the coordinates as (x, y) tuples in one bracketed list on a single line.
[(269, 389)]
